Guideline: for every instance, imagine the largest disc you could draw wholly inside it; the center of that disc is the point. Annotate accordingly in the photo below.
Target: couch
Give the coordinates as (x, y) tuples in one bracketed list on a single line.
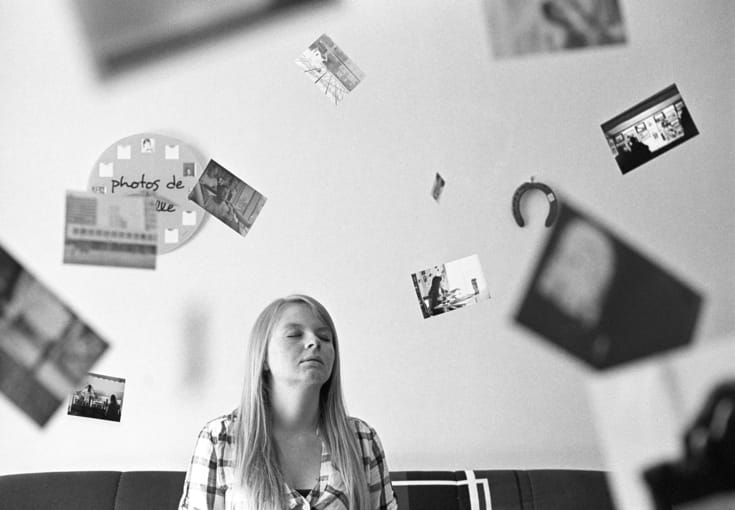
[(555, 489)]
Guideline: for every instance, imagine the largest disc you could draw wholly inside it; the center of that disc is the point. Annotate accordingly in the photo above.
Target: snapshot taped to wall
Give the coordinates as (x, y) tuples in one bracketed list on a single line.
[(542, 26), (667, 429), (232, 201), (648, 129), (110, 230), (438, 187), (45, 348), (450, 286), (98, 396), (602, 300), (330, 68)]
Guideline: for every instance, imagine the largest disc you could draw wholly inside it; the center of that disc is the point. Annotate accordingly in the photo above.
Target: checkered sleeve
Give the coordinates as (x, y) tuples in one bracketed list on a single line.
[(204, 488), (382, 496)]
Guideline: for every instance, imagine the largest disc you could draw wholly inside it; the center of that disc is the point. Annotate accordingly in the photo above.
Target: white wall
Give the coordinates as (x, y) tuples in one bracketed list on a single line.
[(349, 217)]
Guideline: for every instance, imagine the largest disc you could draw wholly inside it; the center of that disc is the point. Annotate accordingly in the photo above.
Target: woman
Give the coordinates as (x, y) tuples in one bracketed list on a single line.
[(290, 443), (113, 409)]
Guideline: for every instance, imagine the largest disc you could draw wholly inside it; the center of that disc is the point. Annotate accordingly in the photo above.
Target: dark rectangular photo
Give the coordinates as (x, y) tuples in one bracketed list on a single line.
[(45, 348), (99, 396), (603, 301), (227, 198), (648, 129)]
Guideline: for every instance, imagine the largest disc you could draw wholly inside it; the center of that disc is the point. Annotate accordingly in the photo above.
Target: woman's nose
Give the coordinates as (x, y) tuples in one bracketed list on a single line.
[(312, 341)]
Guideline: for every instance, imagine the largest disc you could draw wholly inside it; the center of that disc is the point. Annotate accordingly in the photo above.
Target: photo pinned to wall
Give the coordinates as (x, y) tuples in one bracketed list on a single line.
[(544, 26), (159, 166), (667, 429), (99, 396), (450, 286), (603, 301), (232, 201), (330, 68), (438, 188), (110, 230), (45, 348), (648, 129)]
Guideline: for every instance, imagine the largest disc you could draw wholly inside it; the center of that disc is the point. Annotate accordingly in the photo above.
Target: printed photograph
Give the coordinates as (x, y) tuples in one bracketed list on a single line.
[(450, 286), (110, 230), (227, 198), (45, 349), (188, 169), (330, 68), (438, 187), (147, 145), (99, 396), (667, 430), (603, 301), (648, 129), (544, 26)]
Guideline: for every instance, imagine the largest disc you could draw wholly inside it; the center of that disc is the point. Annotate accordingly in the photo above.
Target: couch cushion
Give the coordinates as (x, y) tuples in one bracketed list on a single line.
[(420, 490), (149, 490), (72, 490), (550, 489)]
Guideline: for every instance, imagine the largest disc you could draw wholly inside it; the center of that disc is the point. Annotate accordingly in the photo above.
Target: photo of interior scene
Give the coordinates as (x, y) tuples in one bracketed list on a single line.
[(99, 396), (649, 129), (450, 286)]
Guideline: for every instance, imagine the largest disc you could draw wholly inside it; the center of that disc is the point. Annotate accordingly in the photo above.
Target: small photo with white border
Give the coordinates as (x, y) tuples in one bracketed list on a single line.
[(99, 396)]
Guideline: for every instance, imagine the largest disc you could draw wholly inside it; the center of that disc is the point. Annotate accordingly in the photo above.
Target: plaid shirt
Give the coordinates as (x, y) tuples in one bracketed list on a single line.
[(211, 473)]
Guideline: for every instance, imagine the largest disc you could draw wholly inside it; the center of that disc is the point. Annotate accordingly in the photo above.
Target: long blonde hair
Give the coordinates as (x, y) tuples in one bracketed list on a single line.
[(257, 464)]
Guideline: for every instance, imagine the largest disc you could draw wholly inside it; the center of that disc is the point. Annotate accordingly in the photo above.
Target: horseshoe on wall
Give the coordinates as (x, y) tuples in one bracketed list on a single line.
[(550, 196)]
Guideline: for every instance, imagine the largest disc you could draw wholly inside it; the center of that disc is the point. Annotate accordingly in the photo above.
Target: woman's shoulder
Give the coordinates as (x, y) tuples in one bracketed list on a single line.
[(361, 428), (221, 427)]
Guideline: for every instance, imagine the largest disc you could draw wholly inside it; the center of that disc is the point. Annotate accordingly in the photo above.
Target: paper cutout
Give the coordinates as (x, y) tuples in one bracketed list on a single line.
[(105, 169), (171, 151), (99, 396), (150, 173), (171, 235), (227, 198), (188, 218), (123, 152), (450, 286)]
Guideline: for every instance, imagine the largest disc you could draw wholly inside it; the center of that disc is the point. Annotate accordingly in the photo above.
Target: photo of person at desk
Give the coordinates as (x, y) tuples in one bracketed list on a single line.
[(451, 286)]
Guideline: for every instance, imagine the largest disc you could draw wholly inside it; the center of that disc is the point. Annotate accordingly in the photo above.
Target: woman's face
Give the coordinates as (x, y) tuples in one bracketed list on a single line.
[(301, 348)]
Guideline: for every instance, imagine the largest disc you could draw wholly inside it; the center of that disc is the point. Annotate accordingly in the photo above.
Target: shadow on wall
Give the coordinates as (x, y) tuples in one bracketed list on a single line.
[(194, 334), (124, 34)]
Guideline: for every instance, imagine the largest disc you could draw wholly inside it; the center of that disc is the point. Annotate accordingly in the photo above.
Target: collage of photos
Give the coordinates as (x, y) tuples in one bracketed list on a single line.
[(450, 286), (648, 129), (544, 26), (45, 349), (603, 301), (99, 396), (330, 68), (227, 198)]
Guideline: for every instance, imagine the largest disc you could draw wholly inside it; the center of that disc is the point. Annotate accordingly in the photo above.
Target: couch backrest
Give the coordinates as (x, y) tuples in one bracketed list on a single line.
[(415, 490)]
